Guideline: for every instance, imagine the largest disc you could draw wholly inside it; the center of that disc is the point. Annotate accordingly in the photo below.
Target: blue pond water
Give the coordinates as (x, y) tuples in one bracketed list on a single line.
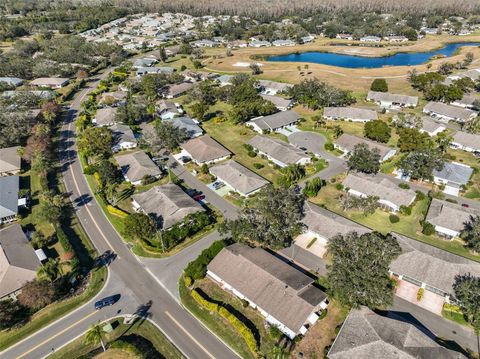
[(351, 61)]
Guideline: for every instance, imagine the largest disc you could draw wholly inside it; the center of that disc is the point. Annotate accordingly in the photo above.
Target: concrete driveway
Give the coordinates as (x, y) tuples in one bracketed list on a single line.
[(430, 301), (313, 142)]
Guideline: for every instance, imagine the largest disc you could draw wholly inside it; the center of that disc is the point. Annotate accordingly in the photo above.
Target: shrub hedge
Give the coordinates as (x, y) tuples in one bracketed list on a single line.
[(116, 211), (197, 269)]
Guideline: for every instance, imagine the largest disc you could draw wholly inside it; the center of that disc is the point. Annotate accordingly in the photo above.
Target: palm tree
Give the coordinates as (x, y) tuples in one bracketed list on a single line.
[(49, 270), (94, 335)]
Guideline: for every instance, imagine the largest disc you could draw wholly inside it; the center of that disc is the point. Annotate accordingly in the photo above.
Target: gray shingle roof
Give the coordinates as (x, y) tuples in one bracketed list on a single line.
[(9, 186), (281, 290), (381, 187), (18, 261), (442, 109), (122, 133), (454, 172), (136, 165), (366, 335), (348, 142), (278, 149), (278, 86), (328, 224), (278, 101), (360, 114), (205, 149), (450, 215), (167, 106), (277, 120), (178, 89), (431, 265), (430, 125), (403, 100), (467, 139), (187, 124), (167, 204), (105, 116), (238, 177), (10, 160)]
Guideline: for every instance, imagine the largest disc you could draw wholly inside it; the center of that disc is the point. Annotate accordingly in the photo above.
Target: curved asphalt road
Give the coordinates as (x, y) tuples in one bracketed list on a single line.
[(139, 288)]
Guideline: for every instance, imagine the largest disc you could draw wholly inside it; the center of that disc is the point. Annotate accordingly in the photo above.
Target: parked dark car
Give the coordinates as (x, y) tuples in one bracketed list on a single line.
[(465, 205), (198, 197), (106, 301)]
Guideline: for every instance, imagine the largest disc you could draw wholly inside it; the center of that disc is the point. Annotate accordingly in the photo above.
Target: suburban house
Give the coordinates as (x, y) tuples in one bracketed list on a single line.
[(123, 137), (278, 151), (466, 141), (448, 218), (141, 71), (205, 149), (468, 101), (117, 98), (168, 109), (145, 62), (274, 122), (453, 176), (224, 80), (431, 127), (204, 43), (50, 82), (283, 104), (446, 113), (11, 81), (9, 200), (135, 166), (178, 89), (370, 39), (349, 114), (283, 43), (366, 334), (391, 197), (105, 116), (321, 225), (166, 204), (344, 37), (10, 161), (396, 38), (286, 298), (237, 44), (347, 143), (268, 87), (390, 100), (238, 177), (430, 268), (259, 43), (189, 125), (18, 262)]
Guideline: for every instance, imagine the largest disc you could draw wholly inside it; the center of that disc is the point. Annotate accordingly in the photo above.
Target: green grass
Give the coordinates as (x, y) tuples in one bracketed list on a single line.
[(53, 311), (142, 328), (221, 327), (455, 317)]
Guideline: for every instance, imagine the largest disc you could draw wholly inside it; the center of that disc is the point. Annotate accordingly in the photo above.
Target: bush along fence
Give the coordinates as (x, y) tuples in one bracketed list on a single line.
[(231, 318)]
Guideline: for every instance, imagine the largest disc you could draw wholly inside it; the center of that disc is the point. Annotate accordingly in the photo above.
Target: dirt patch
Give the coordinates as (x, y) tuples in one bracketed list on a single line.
[(116, 354), (321, 336)]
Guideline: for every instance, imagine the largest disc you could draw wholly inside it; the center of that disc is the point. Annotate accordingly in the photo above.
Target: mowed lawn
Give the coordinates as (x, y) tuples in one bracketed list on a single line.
[(233, 137), (473, 189)]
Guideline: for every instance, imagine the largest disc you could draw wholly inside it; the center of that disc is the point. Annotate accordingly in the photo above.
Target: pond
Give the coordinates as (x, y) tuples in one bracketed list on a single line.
[(353, 62)]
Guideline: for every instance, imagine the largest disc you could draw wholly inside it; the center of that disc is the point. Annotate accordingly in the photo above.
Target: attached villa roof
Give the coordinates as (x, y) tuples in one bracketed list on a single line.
[(284, 292), (9, 186), (467, 139), (278, 101), (277, 120), (367, 335), (361, 114), (379, 186), (178, 89), (167, 106), (403, 100), (278, 149), (167, 204), (190, 126), (431, 265), (136, 165), (122, 133), (348, 143), (450, 215), (454, 172), (105, 116), (278, 86), (49, 81), (18, 262), (205, 149), (430, 125), (450, 111), (238, 177), (10, 160), (329, 224)]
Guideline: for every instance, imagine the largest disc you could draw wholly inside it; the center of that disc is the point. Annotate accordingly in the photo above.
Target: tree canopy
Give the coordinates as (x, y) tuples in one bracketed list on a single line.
[(359, 270), (273, 219), (377, 130), (467, 293), (96, 141), (363, 159), (411, 139), (471, 234), (379, 85), (420, 164), (168, 136)]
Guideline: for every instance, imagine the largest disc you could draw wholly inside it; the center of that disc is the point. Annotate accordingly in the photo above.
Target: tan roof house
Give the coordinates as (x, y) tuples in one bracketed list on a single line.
[(466, 141), (18, 262), (51, 82), (105, 116), (286, 298), (135, 166), (349, 114), (347, 143), (10, 161), (278, 151), (205, 149)]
